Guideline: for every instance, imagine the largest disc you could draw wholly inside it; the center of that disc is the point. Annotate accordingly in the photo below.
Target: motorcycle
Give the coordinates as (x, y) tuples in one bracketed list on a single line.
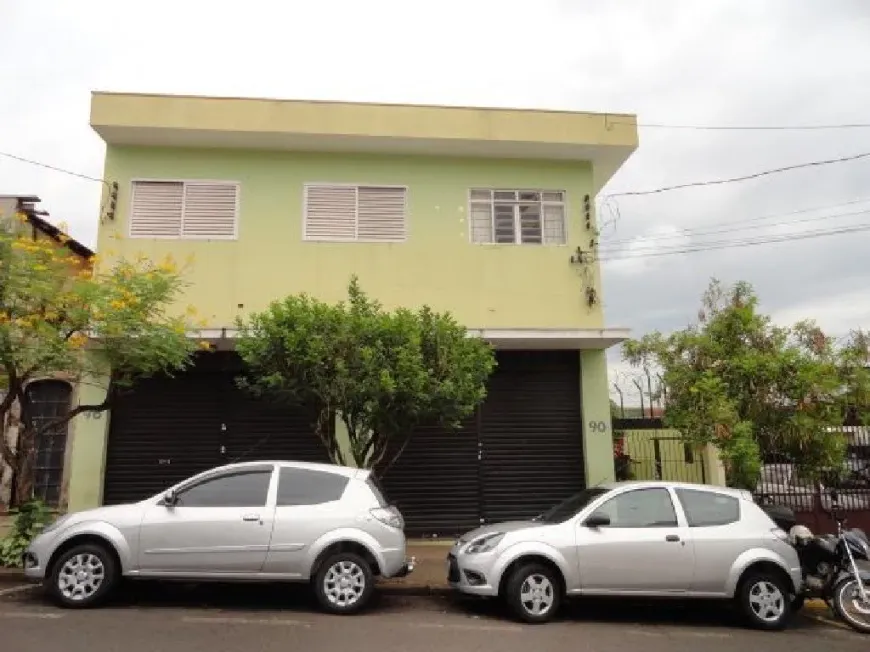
[(831, 571)]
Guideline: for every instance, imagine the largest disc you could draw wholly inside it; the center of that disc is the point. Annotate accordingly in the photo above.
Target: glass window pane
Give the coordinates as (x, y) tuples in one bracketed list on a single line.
[(481, 223), (239, 489), (505, 231), (530, 195), (309, 487), (553, 196), (707, 508), (641, 508), (530, 224), (509, 195), (479, 194), (554, 224)]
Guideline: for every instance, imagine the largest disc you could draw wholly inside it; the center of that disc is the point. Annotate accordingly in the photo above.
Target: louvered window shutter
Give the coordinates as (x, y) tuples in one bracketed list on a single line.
[(209, 211), (381, 214), (330, 213), (156, 209)]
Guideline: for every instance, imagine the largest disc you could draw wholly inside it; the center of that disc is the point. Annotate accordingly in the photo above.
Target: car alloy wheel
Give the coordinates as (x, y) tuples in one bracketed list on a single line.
[(343, 583), (765, 601), (533, 592), (537, 595), (83, 576)]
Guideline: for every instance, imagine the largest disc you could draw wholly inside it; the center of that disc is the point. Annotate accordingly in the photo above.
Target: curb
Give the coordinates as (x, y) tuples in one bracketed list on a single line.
[(12, 575), (413, 590)]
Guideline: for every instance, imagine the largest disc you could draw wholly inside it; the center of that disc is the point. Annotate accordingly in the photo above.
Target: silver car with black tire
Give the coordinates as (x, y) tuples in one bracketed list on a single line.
[(642, 539), (326, 525)]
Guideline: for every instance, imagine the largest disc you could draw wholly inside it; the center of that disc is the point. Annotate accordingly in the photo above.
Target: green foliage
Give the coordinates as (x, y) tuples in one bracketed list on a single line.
[(382, 372), (29, 520), (737, 380), (54, 306)]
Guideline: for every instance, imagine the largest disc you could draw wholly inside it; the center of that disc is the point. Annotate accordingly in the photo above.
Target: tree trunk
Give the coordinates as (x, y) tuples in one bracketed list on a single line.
[(24, 466)]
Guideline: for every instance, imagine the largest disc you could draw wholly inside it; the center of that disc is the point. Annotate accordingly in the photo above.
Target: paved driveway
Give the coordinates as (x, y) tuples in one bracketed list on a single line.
[(173, 618)]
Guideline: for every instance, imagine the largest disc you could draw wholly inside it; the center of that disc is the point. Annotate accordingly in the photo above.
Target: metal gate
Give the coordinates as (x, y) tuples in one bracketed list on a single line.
[(520, 454), (169, 428)]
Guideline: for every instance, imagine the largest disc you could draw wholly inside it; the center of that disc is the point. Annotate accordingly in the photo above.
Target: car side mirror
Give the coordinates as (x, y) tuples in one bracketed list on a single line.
[(597, 520), (170, 498)]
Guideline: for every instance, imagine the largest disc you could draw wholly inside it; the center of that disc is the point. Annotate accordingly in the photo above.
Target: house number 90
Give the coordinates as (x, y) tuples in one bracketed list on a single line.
[(597, 426)]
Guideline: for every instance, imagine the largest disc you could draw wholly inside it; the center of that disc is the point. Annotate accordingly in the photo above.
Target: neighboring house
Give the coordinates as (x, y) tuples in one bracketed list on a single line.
[(50, 396), (487, 213)]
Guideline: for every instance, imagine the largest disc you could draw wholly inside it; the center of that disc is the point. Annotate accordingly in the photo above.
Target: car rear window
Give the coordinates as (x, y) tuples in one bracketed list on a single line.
[(708, 508), (309, 487)]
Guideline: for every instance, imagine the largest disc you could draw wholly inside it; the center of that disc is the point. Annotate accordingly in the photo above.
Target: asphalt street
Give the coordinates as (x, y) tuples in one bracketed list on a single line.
[(210, 618)]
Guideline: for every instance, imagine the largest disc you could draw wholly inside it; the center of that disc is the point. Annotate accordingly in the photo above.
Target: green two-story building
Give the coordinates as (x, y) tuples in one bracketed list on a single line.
[(487, 213)]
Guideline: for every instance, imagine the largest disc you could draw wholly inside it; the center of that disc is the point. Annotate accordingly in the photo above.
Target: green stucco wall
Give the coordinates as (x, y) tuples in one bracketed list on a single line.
[(88, 458), (597, 428), (485, 286)]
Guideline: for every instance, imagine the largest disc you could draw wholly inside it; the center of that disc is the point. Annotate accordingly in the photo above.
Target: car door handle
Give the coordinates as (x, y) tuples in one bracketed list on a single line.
[(251, 517), (672, 537)]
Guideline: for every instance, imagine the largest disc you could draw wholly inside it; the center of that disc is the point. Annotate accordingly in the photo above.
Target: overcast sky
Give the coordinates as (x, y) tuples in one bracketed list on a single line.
[(713, 62)]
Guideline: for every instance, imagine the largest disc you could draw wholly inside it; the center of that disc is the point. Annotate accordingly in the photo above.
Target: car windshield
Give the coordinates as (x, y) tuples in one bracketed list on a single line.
[(570, 506)]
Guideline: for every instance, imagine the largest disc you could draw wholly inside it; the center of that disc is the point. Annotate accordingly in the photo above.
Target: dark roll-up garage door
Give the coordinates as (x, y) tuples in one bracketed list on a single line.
[(532, 450), (520, 454), (435, 481), (169, 428), (161, 432), (258, 430)]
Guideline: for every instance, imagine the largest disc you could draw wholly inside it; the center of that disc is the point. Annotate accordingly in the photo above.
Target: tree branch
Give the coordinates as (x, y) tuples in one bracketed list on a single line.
[(79, 409)]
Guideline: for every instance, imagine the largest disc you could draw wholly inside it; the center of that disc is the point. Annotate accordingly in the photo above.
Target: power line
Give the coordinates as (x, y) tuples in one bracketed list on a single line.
[(769, 216), (51, 167), (747, 177), (728, 244), (618, 245), (654, 125)]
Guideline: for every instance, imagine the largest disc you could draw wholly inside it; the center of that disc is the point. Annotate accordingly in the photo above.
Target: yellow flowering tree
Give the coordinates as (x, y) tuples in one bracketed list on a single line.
[(54, 307)]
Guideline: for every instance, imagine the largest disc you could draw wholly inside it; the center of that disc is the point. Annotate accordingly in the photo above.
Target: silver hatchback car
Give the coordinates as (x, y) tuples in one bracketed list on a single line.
[(274, 521), (654, 539)]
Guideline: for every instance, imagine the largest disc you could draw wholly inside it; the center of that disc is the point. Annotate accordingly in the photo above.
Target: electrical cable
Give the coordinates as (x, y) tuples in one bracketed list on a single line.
[(819, 127), (747, 177), (52, 167), (769, 216), (729, 244), (620, 245)]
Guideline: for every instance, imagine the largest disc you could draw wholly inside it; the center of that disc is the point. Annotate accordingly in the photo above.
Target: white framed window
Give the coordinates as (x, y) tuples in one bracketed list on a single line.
[(347, 213), (193, 210), (517, 216)]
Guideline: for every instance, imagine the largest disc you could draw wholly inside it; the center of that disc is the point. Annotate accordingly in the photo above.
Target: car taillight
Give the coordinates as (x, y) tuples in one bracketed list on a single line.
[(389, 516)]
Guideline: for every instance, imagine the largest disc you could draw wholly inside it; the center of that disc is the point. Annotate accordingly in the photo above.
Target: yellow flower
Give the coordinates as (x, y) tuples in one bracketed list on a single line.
[(78, 340), (191, 310), (205, 346), (118, 305)]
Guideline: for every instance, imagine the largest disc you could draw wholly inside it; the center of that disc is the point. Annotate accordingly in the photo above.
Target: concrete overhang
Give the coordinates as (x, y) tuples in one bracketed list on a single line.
[(605, 140), (506, 339)]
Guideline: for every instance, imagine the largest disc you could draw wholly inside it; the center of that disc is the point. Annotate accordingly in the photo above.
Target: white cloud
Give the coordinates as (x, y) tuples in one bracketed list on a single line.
[(676, 61)]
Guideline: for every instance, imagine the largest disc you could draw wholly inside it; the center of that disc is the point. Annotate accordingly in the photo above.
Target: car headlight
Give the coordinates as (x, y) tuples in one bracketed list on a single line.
[(55, 524), (485, 543)]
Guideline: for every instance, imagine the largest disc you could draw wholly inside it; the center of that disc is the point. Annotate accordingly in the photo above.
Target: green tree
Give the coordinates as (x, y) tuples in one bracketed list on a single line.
[(749, 386), (383, 373), (58, 316)]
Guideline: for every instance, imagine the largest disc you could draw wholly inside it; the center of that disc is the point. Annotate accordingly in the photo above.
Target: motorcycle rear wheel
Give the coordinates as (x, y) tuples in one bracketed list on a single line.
[(847, 596)]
